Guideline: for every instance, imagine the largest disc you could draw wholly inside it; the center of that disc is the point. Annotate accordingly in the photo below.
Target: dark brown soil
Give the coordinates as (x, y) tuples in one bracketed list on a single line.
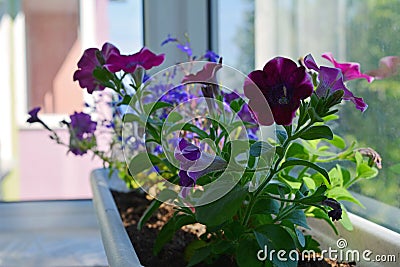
[(132, 205)]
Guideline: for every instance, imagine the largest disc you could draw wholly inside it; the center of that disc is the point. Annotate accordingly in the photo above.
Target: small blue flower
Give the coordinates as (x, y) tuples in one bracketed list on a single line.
[(185, 48), (211, 56), (169, 40)]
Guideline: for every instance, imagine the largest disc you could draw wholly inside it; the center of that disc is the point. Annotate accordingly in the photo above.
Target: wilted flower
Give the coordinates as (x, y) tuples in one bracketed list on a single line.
[(129, 63), (283, 84), (331, 80), (336, 212)]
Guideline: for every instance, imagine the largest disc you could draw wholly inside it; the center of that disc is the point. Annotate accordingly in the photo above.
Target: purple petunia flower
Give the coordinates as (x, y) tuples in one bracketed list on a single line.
[(245, 114), (33, 113), (350, 70), (283, 85), (90, 60), (194, 164), (331, 80), (129, 63), (82, 125)]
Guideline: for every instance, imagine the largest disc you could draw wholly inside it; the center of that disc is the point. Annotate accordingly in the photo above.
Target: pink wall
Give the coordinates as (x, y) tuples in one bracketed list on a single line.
[(48, 173)]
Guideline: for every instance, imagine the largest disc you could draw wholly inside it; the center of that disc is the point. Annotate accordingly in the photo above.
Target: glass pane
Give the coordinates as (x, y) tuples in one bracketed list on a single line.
[(361, 31), (236, 33)]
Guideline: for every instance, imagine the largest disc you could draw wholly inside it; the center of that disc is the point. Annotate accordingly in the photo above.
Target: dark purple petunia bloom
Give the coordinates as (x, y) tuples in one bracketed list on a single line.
[(331, 80), (33, 113), (283, 84), (350, 70), (82, 125), (129, 63), (194, 164), (185, 48), (336, 212), (90, 60), (211, 56)]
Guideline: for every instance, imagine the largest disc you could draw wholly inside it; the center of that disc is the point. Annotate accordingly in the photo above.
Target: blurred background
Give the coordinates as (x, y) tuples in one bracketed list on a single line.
[(42, 40)]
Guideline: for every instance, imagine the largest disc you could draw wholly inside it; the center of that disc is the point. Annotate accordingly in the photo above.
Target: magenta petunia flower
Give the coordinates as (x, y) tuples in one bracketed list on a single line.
[(331, 80), (33, 113), (82, 125), (283, 84), (90, 60), (388, 66), (129, 63), (195, 163), (350, 70)]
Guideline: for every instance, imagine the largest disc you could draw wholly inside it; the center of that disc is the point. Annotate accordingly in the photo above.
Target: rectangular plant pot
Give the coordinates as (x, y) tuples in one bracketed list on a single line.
[(120, 252), (116, 242)]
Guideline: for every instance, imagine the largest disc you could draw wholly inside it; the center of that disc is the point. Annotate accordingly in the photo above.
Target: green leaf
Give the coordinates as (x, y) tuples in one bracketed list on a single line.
[(174, 117), (317, 132), (296, 162), (319, 213), (366, 172), (313, 115), (164, 195), (281, 135), (266, 206), (141, 162), (296, 150), (337, 141), (297, 217), (129, 117), (300, 237), (199, 255), (211, 214), (126, 100), (309, 183), (151, 107), (345, 221), (340, 193), (276, 238), (259, 148), (246, 253), (169, 229), (194, 129)]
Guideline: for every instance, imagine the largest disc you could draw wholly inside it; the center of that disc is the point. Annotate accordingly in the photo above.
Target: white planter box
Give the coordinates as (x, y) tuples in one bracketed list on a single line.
[(118, 247), (120, 252)]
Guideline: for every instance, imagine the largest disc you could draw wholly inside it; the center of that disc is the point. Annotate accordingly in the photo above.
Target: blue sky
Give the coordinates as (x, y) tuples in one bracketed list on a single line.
[(129, 38)]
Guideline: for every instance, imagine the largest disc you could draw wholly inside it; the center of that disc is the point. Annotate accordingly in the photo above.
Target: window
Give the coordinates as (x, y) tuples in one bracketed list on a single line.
[(361, 31)]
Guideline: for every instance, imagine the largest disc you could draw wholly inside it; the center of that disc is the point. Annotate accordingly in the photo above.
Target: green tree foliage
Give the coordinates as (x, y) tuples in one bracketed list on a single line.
[(372, 33)]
